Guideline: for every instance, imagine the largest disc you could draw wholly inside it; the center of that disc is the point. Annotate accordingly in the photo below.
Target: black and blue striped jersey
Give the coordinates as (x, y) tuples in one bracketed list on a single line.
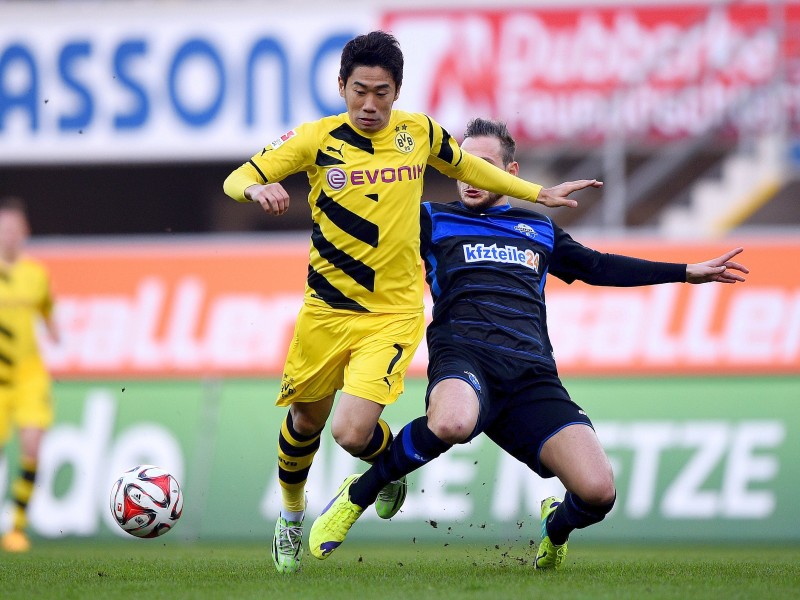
[(487, 273)]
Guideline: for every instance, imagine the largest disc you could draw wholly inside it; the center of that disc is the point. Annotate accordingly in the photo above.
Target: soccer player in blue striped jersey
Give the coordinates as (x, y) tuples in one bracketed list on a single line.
[(491, 366), (362, 316)]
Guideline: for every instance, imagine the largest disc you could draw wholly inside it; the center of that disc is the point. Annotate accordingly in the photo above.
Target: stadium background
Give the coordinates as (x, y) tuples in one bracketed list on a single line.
[(119, 121)]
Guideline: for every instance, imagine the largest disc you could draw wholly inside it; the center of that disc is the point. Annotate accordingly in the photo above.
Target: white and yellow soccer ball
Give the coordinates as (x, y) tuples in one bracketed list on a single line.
[(146, 501)]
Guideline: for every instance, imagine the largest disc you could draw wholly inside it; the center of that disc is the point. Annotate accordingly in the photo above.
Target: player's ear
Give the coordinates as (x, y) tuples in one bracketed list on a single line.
[(513, 167), (341, 86)]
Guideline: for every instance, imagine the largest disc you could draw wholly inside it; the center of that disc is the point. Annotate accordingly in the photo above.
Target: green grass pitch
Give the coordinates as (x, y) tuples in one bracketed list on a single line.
[(155, 569)]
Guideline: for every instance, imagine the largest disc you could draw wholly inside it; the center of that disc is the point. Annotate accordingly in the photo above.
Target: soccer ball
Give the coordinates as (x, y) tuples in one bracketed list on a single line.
[(146, 501)]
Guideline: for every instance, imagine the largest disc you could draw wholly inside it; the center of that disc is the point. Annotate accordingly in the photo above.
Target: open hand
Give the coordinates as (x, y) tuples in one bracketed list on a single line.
[(557, 195), (721, 269)]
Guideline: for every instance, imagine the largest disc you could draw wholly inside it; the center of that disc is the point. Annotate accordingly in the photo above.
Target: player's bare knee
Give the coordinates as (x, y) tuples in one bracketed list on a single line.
[(599, 491), (351, 441), (452, 431), (305, 425)]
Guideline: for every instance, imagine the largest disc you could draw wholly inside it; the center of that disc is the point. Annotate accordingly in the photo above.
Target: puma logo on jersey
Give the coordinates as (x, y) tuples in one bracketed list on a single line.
[(340, 151)]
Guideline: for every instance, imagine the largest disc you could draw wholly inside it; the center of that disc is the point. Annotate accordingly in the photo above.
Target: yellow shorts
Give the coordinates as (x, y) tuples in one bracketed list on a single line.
[(363, 354), (26, 402)]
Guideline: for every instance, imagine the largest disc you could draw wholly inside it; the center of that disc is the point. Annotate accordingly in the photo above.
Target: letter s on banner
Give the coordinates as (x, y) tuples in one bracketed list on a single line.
[(138, 114)]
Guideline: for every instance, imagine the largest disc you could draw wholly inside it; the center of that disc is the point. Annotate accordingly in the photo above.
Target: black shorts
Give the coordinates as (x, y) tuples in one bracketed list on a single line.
[(521, 405)]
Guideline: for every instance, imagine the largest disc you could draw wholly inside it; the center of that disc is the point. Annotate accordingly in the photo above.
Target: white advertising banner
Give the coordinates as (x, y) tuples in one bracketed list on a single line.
[(143, 82), (138, 82)]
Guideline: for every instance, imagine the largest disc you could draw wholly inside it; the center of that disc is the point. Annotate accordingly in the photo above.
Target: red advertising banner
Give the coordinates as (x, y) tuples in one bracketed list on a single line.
[(737, 329), (657, 71), (219, 308), (172, 310)]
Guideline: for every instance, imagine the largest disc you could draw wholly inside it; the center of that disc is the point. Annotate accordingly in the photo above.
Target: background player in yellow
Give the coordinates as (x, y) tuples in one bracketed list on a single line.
[(362, 316), (25, 390)]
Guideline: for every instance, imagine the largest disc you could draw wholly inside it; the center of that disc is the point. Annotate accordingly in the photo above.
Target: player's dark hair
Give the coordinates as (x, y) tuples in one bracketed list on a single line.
[(373, 49), (14, 204), (496, 129)]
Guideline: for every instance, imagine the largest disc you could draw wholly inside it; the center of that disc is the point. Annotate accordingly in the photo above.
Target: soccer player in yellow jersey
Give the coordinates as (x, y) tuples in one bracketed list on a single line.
[(362, 316), (25, 397)]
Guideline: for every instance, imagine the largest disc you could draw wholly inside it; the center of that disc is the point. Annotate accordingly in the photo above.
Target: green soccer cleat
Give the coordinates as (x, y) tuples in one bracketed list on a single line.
[(549, 556), (331, 527), (287, 545), (391, 497)]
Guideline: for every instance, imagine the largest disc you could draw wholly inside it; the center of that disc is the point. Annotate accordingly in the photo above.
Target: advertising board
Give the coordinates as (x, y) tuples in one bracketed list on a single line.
[(212, 306), (699, 459), (138, 82)]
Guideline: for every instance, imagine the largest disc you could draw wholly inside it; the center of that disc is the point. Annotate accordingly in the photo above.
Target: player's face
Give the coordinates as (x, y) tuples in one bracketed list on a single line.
[(13, 233), (369, 94), (489, 149)]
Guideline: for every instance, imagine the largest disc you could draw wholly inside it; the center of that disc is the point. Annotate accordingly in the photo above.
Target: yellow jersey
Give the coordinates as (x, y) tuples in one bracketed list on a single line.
[(25, 296), (365, 198)]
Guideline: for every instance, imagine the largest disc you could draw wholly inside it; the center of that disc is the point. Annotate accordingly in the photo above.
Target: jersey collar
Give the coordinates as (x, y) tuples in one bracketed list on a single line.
[(494, 210)]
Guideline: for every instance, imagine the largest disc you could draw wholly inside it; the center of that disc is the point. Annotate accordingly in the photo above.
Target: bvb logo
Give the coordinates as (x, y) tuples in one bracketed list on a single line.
[(287, 387), (404, 142)]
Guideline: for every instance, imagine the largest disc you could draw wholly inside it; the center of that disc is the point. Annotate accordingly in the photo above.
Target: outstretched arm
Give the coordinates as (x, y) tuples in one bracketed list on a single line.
[(484, 175), (721, 269), (572, 261)]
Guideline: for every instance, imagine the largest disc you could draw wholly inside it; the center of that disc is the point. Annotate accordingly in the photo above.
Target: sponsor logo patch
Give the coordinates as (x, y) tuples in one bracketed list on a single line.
[(336, 178), (403, 140), (287, 387), (526, 229), (510, 255), (284, 138), (473, 380), (386, 174)]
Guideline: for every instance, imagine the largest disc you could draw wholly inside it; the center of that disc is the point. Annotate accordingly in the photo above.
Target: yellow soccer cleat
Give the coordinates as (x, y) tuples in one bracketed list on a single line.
[(16, 541), (331, 527), (549, 556)]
